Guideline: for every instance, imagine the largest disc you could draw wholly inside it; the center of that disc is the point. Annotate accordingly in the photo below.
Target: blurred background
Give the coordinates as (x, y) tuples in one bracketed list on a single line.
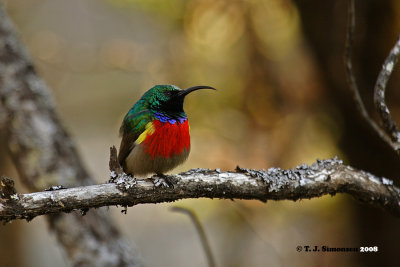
[(282, 100)]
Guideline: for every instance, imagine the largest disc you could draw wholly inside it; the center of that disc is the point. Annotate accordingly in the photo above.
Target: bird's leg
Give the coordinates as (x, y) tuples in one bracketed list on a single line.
[(162, 180)]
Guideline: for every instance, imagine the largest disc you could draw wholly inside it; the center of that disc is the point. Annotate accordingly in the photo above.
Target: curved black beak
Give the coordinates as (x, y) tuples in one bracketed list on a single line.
[(186, 91)]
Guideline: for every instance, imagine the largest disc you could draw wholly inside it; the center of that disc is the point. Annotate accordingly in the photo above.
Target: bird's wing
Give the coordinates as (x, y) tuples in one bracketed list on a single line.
[(127, 144), (132, 126)]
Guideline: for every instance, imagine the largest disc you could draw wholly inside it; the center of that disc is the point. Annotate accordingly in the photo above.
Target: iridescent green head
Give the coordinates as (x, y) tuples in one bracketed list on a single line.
[(168, 98), (162, 101)]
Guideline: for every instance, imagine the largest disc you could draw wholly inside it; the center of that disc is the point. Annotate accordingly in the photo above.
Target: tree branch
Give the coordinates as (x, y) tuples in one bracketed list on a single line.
[(303, 182), (379, 97), (351, 79), (7, 190), (202, 234), (44, 155), (392, 134)]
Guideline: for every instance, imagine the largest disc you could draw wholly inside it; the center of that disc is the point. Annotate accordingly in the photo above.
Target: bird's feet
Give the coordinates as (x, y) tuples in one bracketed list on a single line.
[(161, 180)]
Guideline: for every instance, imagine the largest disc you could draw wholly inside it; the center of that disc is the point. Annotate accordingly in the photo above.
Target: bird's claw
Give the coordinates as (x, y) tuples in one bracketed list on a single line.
[(162, 181)]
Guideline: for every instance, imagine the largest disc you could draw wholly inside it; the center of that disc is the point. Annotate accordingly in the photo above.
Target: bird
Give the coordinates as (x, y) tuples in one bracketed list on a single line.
[(155, 132)]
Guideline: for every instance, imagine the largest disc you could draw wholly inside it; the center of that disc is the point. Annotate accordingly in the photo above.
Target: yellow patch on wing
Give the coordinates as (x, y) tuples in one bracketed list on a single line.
[(149, 130)]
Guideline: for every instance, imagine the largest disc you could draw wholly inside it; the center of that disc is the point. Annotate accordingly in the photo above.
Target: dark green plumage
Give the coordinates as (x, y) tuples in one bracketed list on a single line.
[(143, 111)]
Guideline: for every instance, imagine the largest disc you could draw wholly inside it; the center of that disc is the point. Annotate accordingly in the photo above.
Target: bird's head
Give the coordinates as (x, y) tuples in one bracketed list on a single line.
[(169, 98)]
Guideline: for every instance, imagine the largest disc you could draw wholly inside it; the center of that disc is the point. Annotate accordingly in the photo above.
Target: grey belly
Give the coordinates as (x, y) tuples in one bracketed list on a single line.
[(140, 163)]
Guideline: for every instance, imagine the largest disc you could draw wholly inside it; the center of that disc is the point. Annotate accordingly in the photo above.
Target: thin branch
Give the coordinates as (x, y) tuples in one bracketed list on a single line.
[(45, 155), (7, 190), (303, 182), (379, 96), (351, 80), (203, 237)]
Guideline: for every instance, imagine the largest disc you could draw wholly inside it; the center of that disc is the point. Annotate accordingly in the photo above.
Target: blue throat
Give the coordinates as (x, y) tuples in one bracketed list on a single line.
[(181, 118)]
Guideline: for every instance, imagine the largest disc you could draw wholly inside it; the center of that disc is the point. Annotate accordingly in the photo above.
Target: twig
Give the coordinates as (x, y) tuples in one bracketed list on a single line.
[(200, 230), (379, 96), (303, 182), (7, 190), (351, 80), (115, 168)]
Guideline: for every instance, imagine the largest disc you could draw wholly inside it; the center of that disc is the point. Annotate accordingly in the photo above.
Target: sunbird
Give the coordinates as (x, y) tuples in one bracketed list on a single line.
[(155, 132)]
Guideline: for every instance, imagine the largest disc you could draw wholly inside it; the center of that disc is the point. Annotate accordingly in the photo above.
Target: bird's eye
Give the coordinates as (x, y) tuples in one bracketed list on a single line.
[(167, 93)]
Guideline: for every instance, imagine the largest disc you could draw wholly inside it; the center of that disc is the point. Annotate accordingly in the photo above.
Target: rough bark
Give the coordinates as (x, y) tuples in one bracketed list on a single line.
[(44, 155), (303, 182)]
